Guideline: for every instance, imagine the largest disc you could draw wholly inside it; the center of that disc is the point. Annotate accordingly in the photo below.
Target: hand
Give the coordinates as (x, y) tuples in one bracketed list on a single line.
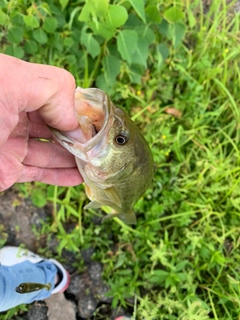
[(31, 96)]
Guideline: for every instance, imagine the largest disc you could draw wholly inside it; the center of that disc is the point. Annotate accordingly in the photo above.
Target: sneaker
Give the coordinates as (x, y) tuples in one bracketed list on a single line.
[(10, 256)]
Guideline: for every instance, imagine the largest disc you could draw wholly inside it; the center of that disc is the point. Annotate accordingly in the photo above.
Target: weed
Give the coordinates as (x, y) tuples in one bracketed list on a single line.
[(181, 261)]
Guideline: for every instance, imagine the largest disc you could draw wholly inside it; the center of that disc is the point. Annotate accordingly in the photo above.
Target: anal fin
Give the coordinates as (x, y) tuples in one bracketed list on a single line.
[(128, 217)]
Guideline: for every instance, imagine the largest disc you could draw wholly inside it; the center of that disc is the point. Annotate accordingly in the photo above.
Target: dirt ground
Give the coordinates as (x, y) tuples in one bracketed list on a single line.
[(84, 299)]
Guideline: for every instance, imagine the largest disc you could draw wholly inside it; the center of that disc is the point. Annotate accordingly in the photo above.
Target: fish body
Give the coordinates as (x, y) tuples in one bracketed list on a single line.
[(112, 156), (27, 287)]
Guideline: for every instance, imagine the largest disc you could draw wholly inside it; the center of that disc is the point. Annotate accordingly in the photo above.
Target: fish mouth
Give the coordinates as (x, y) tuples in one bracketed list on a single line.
[(93, 109), (92, 105)]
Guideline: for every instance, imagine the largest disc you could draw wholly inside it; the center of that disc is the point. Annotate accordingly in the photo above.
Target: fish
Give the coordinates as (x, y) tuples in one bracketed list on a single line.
[(111, 154), (27, 287)]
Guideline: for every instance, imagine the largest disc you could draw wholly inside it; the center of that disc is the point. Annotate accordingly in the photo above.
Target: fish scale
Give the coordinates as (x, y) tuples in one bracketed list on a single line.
[(115, 160)]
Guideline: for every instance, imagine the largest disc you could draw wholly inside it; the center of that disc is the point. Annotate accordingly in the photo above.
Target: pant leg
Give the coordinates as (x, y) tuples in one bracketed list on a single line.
[(13, 276)]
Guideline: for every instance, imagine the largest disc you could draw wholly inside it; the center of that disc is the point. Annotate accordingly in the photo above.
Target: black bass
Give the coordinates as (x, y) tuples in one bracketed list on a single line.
[(27, 287), (112, 156)]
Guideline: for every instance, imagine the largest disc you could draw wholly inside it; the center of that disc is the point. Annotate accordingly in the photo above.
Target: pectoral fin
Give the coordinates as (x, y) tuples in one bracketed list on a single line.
[(128, 218), (113, 196)]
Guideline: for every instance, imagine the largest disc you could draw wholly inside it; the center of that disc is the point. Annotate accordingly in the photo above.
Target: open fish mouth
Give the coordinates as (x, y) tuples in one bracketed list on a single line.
[(93, 108)]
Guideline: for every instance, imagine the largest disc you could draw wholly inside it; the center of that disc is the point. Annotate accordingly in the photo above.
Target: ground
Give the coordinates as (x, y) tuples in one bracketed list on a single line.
[(85, 295)]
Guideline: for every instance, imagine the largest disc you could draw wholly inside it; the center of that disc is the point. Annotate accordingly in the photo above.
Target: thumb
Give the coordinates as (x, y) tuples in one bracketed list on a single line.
[(47, 89), (52, 94)]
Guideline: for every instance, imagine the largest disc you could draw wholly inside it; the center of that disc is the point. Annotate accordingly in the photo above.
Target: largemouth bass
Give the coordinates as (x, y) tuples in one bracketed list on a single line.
[(112, 156), (27, 287)]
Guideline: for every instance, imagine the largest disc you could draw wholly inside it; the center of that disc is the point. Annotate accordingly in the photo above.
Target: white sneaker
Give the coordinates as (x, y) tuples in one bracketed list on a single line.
[(10, 256)]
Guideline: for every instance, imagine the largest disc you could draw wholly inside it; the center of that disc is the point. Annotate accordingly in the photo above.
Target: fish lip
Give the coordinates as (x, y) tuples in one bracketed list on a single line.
[(63, 137), (106, 106)]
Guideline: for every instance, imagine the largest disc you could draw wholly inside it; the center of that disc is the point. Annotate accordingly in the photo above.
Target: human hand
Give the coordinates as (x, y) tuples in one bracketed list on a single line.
[(32, 96)]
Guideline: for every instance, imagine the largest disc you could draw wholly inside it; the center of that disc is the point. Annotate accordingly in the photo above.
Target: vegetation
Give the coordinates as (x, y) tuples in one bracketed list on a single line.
[(175, 68)]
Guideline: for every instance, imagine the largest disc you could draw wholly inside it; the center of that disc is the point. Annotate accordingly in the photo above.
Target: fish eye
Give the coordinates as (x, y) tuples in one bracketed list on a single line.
[(122, 138), (20, 288)]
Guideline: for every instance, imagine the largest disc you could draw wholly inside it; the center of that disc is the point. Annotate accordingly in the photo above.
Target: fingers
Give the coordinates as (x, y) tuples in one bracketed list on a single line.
[(48, 155), (29, 87), (10, 169), (7, 124), (58, 177), (37, 127), (39, 130)]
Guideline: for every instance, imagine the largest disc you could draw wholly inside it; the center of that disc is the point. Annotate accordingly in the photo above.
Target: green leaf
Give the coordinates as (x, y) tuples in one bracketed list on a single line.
[(47, 9), (181, 265), (14, 51), (107, 80), (164, 51), (17, 20), (31, 47), (68, 42), (138, 6), (133, 21), (4, 18), (99, 7), (179, 32), (127, 44), (159, 276), (39, 198), (153, 14), (165, 29), (40, 36), (141, 53), (71, 59), (50, 24), (57, 42), (104, 30), (91, 44), (136, 73), (111, 66), (93, 9), (146, 33), (31, 21), (15, 35), (191, 18), (162, 54), (170, 281), (63, 3), (84, 15), (117, 15), (103, 85), (72, 16), (173, 14)]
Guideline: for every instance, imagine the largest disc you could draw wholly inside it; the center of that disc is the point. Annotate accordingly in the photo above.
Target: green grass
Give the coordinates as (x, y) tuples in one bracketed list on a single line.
[(182, 260)]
